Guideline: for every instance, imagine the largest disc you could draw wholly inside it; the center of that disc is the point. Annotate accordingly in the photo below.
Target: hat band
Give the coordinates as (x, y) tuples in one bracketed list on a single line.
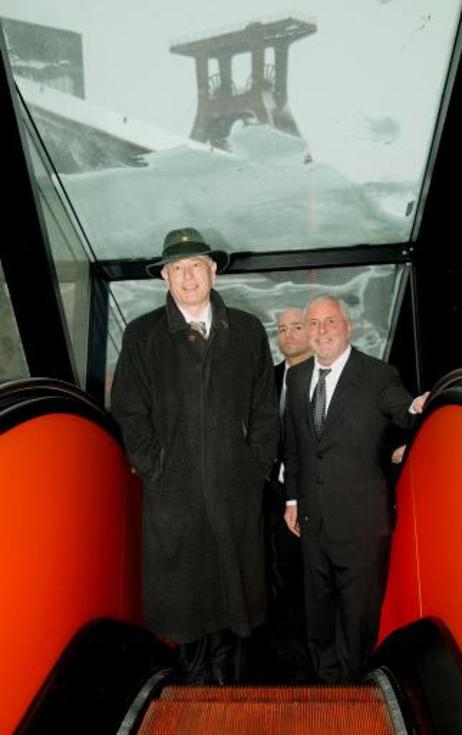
[(184, 249)]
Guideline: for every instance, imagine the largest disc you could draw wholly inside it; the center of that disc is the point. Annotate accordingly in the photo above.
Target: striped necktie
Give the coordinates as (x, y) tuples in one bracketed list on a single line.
[(318, 401), (199, 327)]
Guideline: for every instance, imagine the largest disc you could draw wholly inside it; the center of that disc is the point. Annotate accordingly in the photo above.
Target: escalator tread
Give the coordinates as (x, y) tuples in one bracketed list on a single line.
[(268, 711)]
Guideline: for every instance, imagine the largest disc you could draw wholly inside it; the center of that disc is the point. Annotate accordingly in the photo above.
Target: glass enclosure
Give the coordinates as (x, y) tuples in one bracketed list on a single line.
[(369, 292), (267, 129), (67, 243)]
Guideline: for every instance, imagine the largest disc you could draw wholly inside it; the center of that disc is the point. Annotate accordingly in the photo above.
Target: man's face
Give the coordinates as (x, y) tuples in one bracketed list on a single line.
[(293, 337), (190, 280), (329, 331)]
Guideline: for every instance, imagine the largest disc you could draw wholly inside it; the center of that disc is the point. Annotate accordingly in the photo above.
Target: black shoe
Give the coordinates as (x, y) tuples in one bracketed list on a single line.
[(193, 662), (227, 657), (201, 677)]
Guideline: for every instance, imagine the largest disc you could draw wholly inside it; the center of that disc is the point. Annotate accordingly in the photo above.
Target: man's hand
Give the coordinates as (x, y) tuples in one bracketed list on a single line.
[(397, 456), (290, 517), (418, 403)]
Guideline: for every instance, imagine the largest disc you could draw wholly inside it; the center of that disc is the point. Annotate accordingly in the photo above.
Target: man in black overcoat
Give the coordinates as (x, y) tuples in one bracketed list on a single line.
[(194, 396), (335, 462)]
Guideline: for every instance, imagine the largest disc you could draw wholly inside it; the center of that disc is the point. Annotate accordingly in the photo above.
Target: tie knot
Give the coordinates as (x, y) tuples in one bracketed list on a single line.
[(323, 373), (199, 327)]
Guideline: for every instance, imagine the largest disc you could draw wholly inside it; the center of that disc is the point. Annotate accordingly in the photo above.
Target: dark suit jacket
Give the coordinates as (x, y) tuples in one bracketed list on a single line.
[(340, 480), (279, 370), (279, 375)]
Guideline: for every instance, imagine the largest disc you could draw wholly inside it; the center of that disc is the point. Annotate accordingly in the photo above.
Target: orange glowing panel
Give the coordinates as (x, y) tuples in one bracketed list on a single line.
[(425, 578), (69, 546)]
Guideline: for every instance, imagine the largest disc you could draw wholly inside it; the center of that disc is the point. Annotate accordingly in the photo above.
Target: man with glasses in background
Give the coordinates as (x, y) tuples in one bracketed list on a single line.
[(339, 404)]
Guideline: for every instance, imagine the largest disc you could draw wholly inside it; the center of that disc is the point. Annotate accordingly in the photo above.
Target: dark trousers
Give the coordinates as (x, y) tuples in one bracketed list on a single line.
[(216, 658), (344, 588)]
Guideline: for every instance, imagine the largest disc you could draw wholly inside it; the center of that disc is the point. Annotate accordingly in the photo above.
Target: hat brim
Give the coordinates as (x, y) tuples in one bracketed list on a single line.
[(220, 257)]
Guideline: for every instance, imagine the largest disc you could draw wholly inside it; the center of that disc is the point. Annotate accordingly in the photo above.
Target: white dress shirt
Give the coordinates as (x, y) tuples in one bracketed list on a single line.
[(332, 378), (205, 316), (331, 383)]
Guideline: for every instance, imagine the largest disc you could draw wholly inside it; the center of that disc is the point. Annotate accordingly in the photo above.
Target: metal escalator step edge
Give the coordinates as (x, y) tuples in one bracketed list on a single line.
[(272, 693), (166, 717)]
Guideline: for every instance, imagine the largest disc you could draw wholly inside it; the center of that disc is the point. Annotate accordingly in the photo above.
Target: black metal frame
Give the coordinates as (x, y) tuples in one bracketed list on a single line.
[(248, 262), (97, 334), (438, 254), (25, 253)]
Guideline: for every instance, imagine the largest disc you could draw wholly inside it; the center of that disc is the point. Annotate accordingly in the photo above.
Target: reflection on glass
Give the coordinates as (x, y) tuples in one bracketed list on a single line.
[(12, 360), (370, 292), (69, 255), (267, 130)]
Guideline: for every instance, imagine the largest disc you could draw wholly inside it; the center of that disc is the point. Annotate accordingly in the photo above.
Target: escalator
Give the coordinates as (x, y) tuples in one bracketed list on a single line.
[(69, 546), (75, 658), (414, 687), (326, 710)]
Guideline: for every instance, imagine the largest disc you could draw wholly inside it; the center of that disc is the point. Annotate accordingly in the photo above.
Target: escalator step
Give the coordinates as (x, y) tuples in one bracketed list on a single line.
[(334, 712), (272, 693)]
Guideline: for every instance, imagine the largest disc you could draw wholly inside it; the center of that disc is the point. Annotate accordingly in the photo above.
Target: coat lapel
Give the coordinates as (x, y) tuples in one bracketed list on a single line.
[(303, 390), (342, 398), (279, 371)]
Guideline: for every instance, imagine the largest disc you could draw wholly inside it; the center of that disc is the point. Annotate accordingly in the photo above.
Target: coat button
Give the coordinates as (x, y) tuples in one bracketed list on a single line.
[(320, 481), (319, 455), (306, 519)]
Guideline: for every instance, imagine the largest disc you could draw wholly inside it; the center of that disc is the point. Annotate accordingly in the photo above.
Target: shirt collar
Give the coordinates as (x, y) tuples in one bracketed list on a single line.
[(338, 364), (205, 316)]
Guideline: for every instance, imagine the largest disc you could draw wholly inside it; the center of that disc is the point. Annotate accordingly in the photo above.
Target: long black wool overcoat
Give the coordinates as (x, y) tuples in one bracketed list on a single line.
[(200, 424)]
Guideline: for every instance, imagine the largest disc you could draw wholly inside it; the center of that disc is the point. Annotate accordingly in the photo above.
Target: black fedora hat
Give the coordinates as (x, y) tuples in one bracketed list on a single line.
[(186, 242)]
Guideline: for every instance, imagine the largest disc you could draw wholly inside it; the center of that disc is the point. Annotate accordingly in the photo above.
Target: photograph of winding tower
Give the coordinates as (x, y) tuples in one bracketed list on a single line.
[(264, 96)]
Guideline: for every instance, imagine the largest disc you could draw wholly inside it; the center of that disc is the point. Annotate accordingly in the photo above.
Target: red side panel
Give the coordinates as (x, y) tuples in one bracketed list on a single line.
[(69, 546), (425, 574)]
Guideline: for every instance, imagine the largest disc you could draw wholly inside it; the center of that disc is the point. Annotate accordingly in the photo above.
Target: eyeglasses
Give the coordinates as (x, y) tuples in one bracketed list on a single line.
[(329, 323)]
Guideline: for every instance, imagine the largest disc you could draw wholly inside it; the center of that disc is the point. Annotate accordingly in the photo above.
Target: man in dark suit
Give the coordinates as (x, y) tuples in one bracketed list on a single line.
[(281, 646), (338, 407), (294, 345)]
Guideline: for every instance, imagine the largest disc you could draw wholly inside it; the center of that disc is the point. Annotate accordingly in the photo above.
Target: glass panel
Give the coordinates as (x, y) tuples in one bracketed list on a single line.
[(12, 360), (267, 132), (69, 254), (371, 294), (116, 328)]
